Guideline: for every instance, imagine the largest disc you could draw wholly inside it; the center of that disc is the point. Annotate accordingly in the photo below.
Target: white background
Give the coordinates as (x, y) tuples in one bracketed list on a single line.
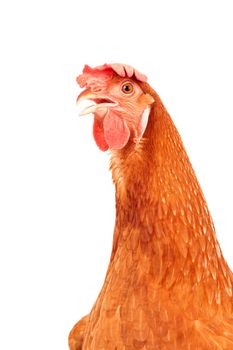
[(57, 199)]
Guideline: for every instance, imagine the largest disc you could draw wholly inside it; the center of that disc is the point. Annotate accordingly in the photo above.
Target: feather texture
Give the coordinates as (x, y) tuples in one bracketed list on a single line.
[(168, 286)]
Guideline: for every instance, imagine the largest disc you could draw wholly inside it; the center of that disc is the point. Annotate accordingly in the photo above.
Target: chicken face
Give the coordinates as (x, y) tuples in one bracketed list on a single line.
[(121, 109)]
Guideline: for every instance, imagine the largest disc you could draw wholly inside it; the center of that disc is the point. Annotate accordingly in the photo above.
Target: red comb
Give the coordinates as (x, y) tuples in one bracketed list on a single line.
[(106, 72)]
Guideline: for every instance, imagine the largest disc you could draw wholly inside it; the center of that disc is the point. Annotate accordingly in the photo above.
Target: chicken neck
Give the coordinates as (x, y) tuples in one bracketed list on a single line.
[(162, 217)]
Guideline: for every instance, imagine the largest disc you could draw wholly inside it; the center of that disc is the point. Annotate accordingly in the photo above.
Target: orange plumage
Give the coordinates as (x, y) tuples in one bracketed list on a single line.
[(167, 286)]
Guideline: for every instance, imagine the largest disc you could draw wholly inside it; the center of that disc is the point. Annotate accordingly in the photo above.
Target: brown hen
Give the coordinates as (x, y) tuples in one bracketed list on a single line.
[(168, 286)]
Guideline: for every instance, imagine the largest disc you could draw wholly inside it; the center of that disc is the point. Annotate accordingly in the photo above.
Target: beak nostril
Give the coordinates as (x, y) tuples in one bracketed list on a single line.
[(96, 89)]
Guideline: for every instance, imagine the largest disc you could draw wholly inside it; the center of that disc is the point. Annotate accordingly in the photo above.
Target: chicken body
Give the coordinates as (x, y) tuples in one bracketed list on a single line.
[(167, 286)]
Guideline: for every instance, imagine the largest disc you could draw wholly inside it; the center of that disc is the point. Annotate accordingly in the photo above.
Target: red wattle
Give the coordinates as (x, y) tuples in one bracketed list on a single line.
[(116, 131), (98, 133)]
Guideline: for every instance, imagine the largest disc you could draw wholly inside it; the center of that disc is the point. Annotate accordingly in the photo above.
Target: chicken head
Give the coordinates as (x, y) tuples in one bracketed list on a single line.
[(120, 107)]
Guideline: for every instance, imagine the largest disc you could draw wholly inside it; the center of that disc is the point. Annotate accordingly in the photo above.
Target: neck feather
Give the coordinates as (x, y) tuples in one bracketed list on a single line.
[(161, 213)]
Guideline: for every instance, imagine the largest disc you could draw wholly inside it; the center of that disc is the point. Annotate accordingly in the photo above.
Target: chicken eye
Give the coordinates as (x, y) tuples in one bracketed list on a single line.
[(127, 88)]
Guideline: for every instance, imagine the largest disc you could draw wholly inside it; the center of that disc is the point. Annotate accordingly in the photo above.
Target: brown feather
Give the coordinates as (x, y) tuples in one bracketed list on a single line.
[(167, 286)]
